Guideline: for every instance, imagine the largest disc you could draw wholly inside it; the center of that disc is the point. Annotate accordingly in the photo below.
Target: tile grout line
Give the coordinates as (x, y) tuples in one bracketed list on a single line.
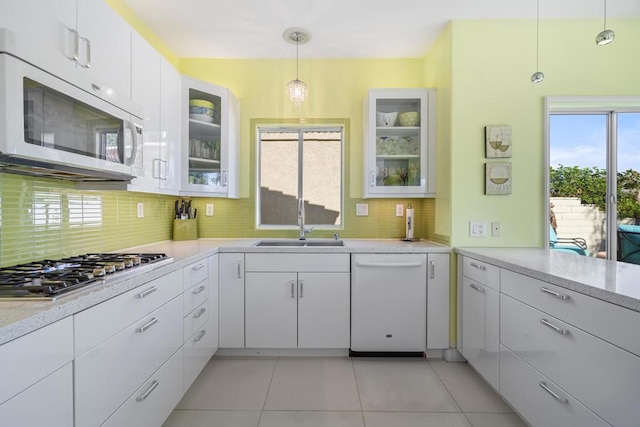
[(444, 385), (273, 373), (355, 378)]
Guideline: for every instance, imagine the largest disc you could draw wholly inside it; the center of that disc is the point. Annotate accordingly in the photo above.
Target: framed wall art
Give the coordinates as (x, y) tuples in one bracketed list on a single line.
[(497, 141), (497, 178)]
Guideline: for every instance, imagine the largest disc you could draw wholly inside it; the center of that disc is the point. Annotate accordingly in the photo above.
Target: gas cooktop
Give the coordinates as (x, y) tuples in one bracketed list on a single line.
[(49, 279)]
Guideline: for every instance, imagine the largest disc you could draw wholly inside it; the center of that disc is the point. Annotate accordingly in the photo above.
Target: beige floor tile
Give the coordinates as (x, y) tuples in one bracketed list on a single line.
[(233, 384), (311, 419), (313, 384), (470, 391), (494, 420), (191, 418), (415, 419), (401, 385)]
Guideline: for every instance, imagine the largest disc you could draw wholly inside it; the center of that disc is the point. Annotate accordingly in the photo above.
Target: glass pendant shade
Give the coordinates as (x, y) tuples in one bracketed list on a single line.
[(297, 91), (605, 36), (537, 77)]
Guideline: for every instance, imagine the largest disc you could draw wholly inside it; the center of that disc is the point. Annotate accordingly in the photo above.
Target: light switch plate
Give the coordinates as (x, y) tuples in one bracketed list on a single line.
[(399, 210), (362, 209), (209, 210), (140, 208), (477, 229), (495, 229)]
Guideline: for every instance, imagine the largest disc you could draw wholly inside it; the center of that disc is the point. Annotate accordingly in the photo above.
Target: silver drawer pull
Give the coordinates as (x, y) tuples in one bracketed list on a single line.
[(239, 269), (198, 267), (479, 267), (546, 323), (432, 275), (199, 313), (147, 325), (154, 385), (293, 289), (301, 288), (554, 294), (200, 335), (199, 289), (552, 393), (147, 292), (476, 287)]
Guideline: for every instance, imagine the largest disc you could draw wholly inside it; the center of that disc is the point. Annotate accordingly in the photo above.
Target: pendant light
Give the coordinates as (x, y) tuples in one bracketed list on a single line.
[(538, 76), (296, 89), (605, 36)]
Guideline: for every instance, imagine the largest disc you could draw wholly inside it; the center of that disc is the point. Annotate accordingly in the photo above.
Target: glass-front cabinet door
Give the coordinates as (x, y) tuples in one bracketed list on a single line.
[(210, 140), (399, 143)]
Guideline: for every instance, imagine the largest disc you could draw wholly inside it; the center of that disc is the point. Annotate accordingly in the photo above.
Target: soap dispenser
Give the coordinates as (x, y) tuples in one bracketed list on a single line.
[(409, 222)]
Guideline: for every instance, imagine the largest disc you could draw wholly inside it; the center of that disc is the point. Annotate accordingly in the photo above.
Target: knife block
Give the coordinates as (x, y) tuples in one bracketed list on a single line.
[(185, 229)]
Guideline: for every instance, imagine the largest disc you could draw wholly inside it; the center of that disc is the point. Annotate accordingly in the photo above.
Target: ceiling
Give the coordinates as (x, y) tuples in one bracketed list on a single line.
[(339, 28)]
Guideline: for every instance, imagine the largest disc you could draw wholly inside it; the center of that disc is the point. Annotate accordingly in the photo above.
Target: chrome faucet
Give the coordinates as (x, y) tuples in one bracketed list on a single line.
[(303, 230)]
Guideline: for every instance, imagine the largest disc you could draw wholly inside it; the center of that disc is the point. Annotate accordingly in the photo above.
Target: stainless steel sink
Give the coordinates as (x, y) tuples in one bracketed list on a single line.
[(300, 243)]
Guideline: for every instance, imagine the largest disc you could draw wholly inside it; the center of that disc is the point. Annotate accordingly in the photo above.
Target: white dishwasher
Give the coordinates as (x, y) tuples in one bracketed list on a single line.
[(388, 302)]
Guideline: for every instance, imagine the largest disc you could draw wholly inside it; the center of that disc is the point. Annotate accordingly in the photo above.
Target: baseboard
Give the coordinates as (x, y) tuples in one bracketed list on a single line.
[(453, 355), (386, 353), (282, 352)]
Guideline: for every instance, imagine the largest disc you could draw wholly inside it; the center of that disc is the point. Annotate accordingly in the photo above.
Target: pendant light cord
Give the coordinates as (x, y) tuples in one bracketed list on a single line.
[(538, 35), (297, 59), (605, 15)]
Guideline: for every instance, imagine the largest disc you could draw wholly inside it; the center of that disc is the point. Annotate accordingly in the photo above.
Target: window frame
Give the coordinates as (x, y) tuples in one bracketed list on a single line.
[(301, 129)]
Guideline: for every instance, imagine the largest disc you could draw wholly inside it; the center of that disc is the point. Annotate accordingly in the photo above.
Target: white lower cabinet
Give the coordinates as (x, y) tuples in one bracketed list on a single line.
[(481, 329), (53, 400), (438, 291), (198, 349), (538, 399), (151, 404), (231, 300)]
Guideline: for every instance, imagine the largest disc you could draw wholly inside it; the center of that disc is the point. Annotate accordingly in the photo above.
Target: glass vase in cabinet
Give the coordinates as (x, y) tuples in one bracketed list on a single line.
[(399, 143), (211, 139)]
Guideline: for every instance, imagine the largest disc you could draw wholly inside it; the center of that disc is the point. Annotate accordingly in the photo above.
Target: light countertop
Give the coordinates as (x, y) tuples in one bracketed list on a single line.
[(611, 281), (18, 318)]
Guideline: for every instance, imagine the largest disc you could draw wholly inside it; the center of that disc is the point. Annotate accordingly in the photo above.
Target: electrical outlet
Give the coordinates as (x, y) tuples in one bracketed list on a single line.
[(495, 229), (477, 229), (209, 211), (362, 209), (140, 207), (399, 210)]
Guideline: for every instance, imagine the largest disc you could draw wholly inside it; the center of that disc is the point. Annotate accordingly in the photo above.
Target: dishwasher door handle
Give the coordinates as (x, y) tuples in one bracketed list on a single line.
[(389, 264)]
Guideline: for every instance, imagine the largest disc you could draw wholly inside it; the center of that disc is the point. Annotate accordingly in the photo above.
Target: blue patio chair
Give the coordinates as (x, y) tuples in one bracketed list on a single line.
[(576, 245), (629, 243)]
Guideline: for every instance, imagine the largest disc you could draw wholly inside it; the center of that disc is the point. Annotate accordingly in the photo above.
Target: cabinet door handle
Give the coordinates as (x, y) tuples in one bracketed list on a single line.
[(476, 287), (479, 267), (198, 267), (147, 325), (147, 292), (224, 178), (373, 179), (155, 169), (199, 290), (552, 393), (199, 313), (561, 331), (76, 45), (432, 275), (200, 335), (87, 51), (293, 289), (301, 288), (154, 385), (164, 174), (554, 294), (239, 269)]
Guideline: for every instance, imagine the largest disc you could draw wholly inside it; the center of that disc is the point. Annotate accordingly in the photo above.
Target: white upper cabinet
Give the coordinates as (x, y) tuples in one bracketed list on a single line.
[(399, 143), (170, 128), (210, 138), (82, 41)]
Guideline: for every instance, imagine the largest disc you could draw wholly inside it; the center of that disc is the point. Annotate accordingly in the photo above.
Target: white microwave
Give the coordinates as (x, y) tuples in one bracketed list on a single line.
[(50, 125)]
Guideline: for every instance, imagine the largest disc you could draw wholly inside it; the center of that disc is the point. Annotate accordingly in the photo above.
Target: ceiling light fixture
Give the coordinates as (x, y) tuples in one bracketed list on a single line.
[(605, 36), (538, 76), (297, 89)]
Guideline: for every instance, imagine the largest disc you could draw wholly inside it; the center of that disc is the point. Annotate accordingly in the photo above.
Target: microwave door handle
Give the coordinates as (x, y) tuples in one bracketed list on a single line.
[(129, 161)]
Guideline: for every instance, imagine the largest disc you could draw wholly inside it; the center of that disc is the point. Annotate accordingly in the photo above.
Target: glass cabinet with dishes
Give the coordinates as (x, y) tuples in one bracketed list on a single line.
[(399, 143), (210, 140)]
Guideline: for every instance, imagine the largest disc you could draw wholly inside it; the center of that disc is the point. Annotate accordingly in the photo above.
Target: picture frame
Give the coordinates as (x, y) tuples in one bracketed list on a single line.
[(498, 141), (498, 179)]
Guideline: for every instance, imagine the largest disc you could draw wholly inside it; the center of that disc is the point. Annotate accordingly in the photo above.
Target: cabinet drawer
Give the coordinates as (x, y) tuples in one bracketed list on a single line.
[(152, 403), (195, 296), (49, 402), (106, 376), (97, 324), (29, 358), (602, 376), (195, 273), (198, 349), (522, 386), (481, 272), (338, 263), (610, 322), (195, 319)]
